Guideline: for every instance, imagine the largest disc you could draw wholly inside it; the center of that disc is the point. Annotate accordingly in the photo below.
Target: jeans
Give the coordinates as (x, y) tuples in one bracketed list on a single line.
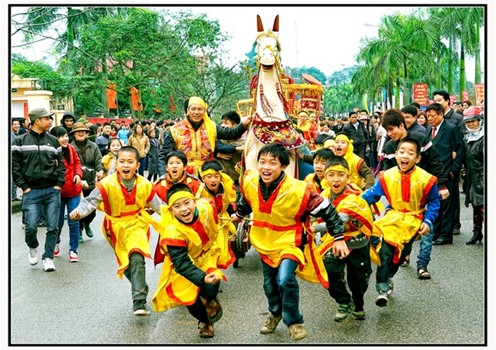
[(34, 203), (388, 268), (424, 255), (136, 274), (358, 271), (282, 291), (71, 203), (143, 166)]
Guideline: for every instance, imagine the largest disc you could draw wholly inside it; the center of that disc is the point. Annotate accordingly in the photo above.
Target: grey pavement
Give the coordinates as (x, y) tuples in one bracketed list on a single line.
[(85, 303)]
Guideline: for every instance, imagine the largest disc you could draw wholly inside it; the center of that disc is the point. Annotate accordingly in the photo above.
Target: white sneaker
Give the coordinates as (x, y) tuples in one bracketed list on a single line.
[(73, 256), (32, 256), (48, 264)]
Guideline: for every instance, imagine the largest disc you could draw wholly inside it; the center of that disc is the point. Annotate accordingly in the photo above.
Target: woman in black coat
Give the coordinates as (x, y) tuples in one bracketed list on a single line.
[(153, 155), (473, 184)]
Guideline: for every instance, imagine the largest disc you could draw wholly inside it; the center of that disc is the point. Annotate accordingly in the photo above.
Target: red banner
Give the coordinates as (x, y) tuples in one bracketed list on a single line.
[(479, 93), (453, 98), (464, 95), (420, 94), (112, 96)]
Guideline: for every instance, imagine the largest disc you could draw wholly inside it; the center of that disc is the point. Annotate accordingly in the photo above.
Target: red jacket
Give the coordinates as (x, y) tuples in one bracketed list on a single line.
[(72, 168)]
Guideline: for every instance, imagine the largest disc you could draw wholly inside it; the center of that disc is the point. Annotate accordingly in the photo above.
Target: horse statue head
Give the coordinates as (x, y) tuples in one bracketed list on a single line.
[(271, 121), (268, 46)]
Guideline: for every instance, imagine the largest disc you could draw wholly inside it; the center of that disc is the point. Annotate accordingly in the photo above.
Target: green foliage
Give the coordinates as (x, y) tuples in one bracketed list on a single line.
[(51, 80)]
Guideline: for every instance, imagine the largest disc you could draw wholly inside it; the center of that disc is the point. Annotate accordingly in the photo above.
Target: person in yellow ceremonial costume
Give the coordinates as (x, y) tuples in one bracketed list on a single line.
[(281, 206), (191, 271), (175, 164), (123, 196), (222, 192), (357, 216), (413, 207), (360, 173), (196, 135), (320, 158)]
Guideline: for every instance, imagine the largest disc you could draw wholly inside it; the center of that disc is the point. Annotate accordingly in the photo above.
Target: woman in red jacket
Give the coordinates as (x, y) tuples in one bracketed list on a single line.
[(70, 193)]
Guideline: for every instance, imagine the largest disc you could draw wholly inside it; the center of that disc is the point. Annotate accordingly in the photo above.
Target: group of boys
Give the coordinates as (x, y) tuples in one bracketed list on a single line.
[(194, 245)]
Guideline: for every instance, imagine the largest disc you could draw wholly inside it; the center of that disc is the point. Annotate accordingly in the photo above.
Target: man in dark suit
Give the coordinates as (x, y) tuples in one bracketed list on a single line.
[(450, 115), (446, 140), (356, 132)]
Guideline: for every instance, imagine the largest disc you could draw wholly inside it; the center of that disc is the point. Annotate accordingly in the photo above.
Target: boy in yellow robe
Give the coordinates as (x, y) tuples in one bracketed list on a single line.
[(281, 207), (191, 273), (221, 191), (123, 196), (414, 203), (358, 219)]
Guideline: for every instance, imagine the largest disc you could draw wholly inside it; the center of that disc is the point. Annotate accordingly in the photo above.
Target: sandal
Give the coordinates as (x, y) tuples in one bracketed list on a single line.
[(206, 330), (214, 310), (406, 262), (423, 274)]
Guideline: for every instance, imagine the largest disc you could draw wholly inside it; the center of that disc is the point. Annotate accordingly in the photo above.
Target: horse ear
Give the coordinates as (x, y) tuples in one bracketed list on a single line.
[(275, 27), (259, 24)]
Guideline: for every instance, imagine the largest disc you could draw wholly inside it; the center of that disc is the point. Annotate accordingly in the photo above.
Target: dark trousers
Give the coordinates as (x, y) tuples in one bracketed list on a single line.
[(358, 271), (388, 268), (456, 203), (198, 310), (88, 219), (136, 274), (445, 223)]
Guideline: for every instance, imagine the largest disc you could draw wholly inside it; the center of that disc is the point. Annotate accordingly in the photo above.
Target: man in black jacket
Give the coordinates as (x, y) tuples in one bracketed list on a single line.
[(38, 169), (356, 132)]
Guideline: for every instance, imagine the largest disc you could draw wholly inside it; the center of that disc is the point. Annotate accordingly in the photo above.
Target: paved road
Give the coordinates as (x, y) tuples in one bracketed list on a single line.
[(85, 303)]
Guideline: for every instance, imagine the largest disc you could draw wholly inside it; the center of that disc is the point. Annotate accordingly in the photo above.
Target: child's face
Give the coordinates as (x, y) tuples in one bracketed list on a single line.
[(115, 146), (337, 180), (269, 168), (319, 167), (212, 181), (175, 168), (340, 147), (395, 132), (127, 164), (184, 209), (406, 156)]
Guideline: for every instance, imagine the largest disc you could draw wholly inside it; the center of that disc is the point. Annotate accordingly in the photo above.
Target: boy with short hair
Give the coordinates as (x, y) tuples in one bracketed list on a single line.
[(123, 196), (358, 219), (414, 203), (221, 191), (281, 207), (191, 273), (320, 158)]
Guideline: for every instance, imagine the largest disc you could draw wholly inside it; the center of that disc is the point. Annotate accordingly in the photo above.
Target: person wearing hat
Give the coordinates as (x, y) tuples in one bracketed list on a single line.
[(196, 135), (473, 184), (40, 173), (67, 121), (91, 159)]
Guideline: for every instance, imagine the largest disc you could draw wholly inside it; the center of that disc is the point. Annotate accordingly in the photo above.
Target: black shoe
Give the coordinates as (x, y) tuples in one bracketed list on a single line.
[(456, 231), (139, 308), (440, 241), (477, 237)]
